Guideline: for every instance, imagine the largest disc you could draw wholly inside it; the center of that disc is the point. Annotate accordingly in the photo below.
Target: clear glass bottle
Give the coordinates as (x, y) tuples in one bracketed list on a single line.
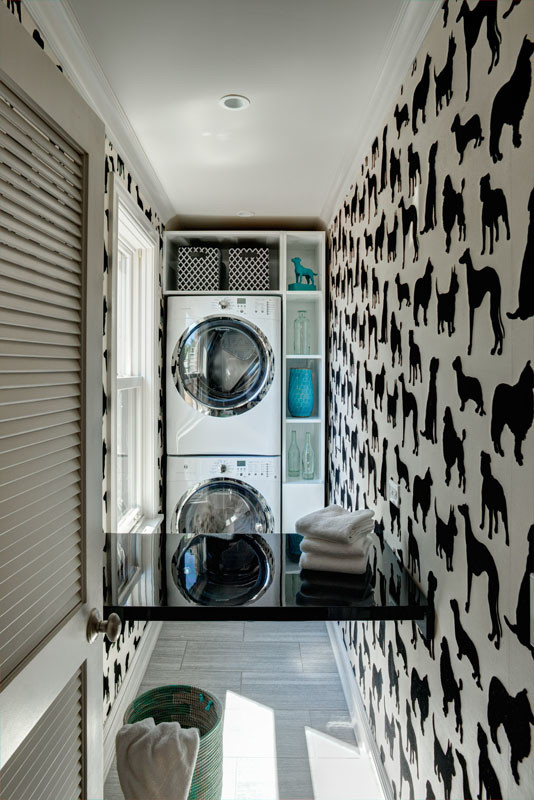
[(293, 457), (301, 334), (308, 459)]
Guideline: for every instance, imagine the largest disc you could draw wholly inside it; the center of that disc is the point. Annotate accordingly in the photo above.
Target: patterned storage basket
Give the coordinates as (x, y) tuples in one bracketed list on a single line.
[(198, 269), (192, 708), (248, 268)]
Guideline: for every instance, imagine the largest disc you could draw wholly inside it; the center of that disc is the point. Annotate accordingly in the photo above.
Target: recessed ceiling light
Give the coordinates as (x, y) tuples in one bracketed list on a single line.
[(245, 214), (234, 102)]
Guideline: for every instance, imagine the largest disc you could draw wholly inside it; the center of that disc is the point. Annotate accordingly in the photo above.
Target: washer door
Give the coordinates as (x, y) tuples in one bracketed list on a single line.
[(222, 366), (218, 570)]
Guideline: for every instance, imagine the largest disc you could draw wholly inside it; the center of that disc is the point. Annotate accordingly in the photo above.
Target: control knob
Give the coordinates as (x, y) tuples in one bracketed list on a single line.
[(223, 303), (223, 468)]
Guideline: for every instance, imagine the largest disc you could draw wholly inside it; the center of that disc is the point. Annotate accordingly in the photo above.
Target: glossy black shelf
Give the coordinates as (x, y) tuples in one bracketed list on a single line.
[(386, 592)]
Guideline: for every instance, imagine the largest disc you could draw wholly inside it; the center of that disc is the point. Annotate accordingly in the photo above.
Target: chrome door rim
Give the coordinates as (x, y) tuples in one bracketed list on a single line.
[(238, 408)]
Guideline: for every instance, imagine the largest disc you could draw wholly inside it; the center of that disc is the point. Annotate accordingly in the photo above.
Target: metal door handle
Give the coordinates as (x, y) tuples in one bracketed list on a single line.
[(95, 625)]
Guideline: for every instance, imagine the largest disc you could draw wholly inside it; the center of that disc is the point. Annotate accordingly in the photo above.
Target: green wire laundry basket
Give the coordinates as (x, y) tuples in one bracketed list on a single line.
[(192, 708)]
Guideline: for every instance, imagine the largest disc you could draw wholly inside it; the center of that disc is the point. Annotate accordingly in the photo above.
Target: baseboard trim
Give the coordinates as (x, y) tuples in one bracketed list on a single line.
[(130, 687), (356, 707)]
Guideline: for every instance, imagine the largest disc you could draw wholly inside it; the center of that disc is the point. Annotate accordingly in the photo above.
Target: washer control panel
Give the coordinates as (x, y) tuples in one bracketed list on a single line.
[(250, 307), (231, 467)]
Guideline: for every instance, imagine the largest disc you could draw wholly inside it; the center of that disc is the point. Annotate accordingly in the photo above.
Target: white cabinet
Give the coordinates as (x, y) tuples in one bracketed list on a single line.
[(305, 251)]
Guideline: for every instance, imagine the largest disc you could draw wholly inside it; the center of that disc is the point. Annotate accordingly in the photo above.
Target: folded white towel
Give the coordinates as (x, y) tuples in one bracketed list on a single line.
[(156, 762), (355, 547), (355, 565), (333, 523)]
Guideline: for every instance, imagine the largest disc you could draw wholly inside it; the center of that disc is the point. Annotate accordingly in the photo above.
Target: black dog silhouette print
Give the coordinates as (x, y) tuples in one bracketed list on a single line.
[(443, 80), (473, 19), (525, 308), (487, 777), (403, 291), (511, 7), (515, 715), (445, 534), (391, 404), (420, 95), (384, 162), (382, 489), (405, 774), (420, 694), (400, 648), (422, 293), (421, 496), (451, 687), (409, 222), (415, 359), (414, 170), (465, 644), (409, 407), (384, 321), (371, 191), (470, 131), (376, 682), (468, 388), (393, 675), (443, 763), (493, 498), (389, 732), (446, 305), (479, 283), (430, 429), (479, 560), (453, 211), (513, 406), (414, 563), (453, 450), (510, 101), (521, 626), (430, 200), (411, 738), (402, 117), (395, 341), (395, 177), (493, 207), (379, 236)]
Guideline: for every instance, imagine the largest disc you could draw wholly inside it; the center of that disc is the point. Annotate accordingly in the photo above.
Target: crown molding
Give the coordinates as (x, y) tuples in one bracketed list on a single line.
[(412, 25), (60, 28)]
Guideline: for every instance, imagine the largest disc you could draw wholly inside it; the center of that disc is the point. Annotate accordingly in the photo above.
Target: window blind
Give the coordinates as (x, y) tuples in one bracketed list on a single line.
[(41, 311)]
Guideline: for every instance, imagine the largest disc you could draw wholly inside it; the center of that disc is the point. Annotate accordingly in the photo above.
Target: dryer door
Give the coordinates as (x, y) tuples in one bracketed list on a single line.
[(220, 570), (222, 366)]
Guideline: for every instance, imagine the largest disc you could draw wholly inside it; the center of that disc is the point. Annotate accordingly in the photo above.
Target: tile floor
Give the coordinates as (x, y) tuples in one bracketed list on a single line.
[(287, 732)]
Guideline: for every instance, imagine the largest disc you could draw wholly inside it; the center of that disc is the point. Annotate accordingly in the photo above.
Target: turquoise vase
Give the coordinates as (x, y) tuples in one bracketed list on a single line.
[(300, 396)]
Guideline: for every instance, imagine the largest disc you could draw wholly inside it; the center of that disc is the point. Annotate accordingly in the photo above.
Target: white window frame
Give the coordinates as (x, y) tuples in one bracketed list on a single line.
[(131, 230)]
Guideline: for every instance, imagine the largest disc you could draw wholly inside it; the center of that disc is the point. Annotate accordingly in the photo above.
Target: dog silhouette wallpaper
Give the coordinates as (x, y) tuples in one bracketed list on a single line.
[(448, 245), (118, 656)]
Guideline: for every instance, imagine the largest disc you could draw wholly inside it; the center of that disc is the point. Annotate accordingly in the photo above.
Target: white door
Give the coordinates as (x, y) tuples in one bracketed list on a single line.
[(51, 247)]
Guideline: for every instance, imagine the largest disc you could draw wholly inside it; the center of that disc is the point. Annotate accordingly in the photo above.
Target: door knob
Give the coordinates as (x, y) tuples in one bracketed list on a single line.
[(95, 625)]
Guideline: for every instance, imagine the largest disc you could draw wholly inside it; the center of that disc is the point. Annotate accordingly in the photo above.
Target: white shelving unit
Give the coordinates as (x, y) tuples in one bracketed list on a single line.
[(299, 496)]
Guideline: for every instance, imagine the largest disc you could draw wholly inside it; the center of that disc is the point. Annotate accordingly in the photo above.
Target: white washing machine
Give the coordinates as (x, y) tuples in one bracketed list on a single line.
[(223, 375), (223, 541)]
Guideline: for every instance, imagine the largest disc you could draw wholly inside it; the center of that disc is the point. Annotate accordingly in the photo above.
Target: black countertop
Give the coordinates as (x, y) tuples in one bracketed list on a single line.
[(385, 592)]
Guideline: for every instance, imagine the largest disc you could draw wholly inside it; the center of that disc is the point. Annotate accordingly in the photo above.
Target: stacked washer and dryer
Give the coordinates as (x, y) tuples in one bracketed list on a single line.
[(223, 406)]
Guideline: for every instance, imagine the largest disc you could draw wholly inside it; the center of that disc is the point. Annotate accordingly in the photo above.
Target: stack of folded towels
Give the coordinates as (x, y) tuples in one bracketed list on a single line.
[(335, 540)]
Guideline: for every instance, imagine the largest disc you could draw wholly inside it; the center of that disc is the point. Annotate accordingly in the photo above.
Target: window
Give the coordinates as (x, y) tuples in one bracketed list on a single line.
[(133, 366)]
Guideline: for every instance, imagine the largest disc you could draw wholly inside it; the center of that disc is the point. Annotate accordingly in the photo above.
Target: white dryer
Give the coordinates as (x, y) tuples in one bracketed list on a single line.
[(223, 542), (223, 375)]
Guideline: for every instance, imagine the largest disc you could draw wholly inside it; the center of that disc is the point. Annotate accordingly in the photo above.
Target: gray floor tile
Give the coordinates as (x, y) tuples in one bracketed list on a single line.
[(317, 657), (285, 631), (310, 690), (290, 735), (219, 682), (294, 779), (276, 657), (336, 723), (203, 631)]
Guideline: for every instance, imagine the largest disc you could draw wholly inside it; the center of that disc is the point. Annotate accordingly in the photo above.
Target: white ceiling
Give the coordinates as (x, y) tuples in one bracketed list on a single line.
[(309, 67)]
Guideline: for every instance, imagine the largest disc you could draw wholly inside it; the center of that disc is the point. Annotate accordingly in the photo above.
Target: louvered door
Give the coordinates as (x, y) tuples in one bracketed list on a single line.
[(51, 217)]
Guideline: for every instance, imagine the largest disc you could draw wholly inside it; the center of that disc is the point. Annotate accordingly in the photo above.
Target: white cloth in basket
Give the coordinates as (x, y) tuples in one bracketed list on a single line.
[(156, 762)]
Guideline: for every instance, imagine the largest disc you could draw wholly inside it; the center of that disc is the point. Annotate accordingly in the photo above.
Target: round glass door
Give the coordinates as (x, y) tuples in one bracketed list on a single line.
[(222, 505), (222, 366), (217, 570)]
